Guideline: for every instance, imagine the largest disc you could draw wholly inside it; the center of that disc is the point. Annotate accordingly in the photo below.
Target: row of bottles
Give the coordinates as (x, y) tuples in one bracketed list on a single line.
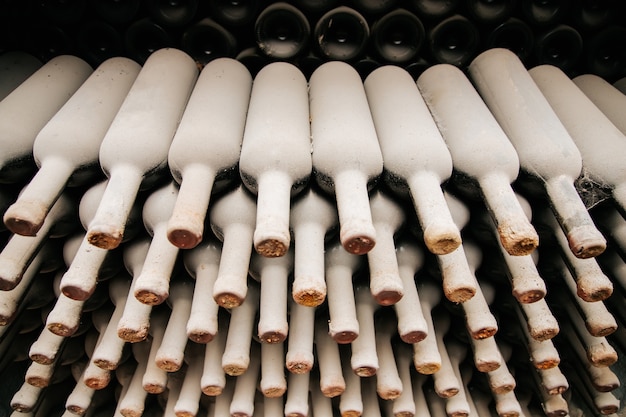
[(575, 36), (176, 238)]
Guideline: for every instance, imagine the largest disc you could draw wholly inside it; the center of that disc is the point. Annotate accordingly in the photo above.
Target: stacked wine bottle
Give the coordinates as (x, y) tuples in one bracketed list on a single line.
[(430, 247)]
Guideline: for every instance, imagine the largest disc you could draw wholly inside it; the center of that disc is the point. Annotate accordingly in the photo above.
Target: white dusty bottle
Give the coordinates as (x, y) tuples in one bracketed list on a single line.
[(416, 159), (202, 263), (347, 159), (275, 160), (545, 149), (312, 219), (66, 149), (232, 219), (19, 251), (27, 109), (273, 274), (15, 68), (207, 145), (152, 285), (386, 285), (85, 268), (607, 97), (341, 266), (480, 150), (598, 140), (134, 151)]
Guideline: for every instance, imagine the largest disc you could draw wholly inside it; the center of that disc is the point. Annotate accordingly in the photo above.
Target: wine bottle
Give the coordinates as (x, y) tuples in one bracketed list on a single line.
[(604, 52), (607, 97), (273, 383), (454, 40), (598, 145), (446, 91), (134, 399), (86, 264), (299, 358), (416, 159), (15, 68), (116, 12), (398, 36), (152, 285), (232, 220), (363, 353), (206, 147), (202, 263), (150, 115), (561, 46), (513, 34), (316, 7), (66, 148), (207, 40), (135, 322), (144, 37), (386, 285), (108, 353), (412, 326), (328, 359), (22, 117), (236, 355), (234, 13), (19, 251), (282, 31), (98, 41), (341, 266), (312, 219), (374, 7), (539, 13), (275, 161), (252, 59), (490, 11), (347, 159), (172, 13), (273, 274), (171, 351), (341, 34), (434, 9), (545, 149)]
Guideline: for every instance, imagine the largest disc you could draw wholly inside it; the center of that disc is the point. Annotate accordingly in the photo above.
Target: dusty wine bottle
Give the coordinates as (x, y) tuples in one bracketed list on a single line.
[(275, 161), (598, 145), (150, 114), (66, 149), (282, 31), (312, 219), (22, 117), (450, 97), (346, 155), (544, 13), (207, 145), (232, 219), (490, 11), (545, 149), (416, 159), (605, 96)]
